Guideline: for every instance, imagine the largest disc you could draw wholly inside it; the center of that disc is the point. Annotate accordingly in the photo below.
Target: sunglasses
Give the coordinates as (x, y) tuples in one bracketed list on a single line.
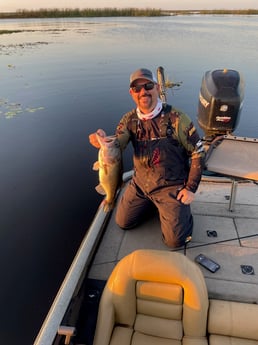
[(147, 87)]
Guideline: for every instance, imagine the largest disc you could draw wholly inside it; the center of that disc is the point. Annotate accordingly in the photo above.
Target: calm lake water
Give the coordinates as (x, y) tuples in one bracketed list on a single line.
[(60, 81)]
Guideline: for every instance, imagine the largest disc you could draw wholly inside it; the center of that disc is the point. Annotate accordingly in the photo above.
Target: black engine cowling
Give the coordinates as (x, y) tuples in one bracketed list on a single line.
[(220, 102)]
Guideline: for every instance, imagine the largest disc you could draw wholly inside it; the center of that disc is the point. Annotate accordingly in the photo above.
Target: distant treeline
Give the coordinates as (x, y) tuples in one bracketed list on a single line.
[(87, 12), (115, 12), (222, 11)]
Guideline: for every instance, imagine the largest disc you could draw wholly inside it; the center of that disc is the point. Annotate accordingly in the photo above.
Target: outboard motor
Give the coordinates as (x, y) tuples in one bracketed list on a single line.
[(220, 102)]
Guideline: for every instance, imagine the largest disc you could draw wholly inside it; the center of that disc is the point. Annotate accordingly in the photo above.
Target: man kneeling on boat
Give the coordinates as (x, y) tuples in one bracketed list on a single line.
[(168, 162)]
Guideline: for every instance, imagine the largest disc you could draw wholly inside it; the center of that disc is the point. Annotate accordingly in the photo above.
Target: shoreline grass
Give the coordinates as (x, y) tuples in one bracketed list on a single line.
[(76, 12), (115, 12), (221, 12), (2, 32)]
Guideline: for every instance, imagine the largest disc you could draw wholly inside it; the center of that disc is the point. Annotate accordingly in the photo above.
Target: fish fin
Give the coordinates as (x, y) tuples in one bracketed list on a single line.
[(96, 166), (94, 140), (100, 189)]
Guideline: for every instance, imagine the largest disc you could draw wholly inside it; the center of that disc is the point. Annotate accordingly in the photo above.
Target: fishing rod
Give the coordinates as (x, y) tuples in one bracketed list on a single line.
[(216, 242), (164, 85)]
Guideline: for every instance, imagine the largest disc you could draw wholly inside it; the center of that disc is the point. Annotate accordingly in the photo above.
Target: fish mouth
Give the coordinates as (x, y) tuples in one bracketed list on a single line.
[(110, 138)]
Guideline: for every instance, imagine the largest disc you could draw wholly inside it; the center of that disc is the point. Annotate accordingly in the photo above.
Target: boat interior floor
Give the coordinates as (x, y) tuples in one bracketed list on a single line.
[(227, 235)]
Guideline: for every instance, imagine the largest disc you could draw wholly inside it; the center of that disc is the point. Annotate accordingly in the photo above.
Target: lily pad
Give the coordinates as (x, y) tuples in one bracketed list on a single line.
[(32, 110), (12, 109)]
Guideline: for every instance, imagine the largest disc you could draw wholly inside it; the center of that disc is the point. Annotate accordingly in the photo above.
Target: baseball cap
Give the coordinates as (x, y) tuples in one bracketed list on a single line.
[(142, 73)]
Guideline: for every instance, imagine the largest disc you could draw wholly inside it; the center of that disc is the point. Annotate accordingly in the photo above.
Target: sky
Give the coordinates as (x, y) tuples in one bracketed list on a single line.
[(14, 5)]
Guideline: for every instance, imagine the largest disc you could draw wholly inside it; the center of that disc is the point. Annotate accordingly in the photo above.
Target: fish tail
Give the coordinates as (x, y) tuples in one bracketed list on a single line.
[(108, 206)]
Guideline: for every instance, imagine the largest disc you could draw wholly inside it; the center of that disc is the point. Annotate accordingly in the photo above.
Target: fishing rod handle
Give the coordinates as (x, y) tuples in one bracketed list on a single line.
[(161, 81)]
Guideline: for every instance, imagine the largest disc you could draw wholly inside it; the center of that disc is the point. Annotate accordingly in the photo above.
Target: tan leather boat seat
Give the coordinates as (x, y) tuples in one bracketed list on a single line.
[(153, 298), (232, 323)]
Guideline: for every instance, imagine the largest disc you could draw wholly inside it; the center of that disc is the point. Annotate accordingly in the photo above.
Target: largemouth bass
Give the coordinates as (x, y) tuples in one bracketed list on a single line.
[(109, 165)]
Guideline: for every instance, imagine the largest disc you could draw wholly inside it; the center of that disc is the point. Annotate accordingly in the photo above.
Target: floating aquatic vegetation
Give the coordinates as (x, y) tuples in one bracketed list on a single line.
[(13, 109), (32, 110), (10, 114), (10, 109), (19, 48), (3, 101)]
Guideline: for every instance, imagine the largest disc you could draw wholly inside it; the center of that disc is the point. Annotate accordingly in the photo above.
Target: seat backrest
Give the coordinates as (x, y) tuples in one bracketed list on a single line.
[(153, 297), (232, 323)]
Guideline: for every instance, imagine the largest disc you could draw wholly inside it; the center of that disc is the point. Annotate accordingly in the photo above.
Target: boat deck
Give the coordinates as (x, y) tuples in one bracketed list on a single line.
[(236, 243)]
